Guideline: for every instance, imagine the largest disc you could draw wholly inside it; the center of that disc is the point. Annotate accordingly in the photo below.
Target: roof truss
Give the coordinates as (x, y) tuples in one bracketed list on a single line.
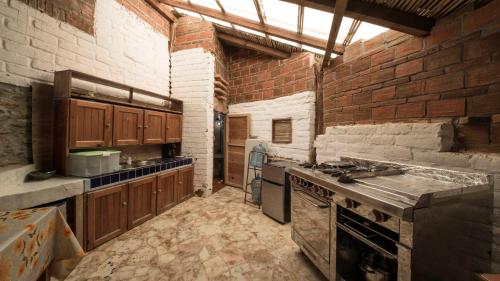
[(376, 14), (340, 8), (255, 25), (239, 42)]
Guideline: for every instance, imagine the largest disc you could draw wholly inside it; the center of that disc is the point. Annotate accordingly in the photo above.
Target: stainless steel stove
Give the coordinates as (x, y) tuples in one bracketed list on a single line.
[(367, 220)]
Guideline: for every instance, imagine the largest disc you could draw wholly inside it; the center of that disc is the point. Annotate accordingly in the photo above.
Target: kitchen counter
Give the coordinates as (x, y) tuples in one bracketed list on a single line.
[(16, 194)]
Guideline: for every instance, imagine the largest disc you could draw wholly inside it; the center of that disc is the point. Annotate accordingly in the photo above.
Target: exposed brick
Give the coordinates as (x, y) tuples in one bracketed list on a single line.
[(362, 98), (475, 133), (408, 47), (443, 58), (445, 82), (445, 108), (342, 71), (382, 57), (384, 112), (483, 75), (410, 89), (408, 68), (481, 17), (444, 32), (478, 48), (344, 116), (382, 75), (360, 115), (485, 105), (360, 65), (344, 100), (384, 94), (411, 110)]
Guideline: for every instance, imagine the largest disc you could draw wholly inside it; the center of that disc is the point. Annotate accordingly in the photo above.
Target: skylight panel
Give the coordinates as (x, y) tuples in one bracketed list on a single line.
[(284, 41), (242, 8), (217, 21), (344, 29), (317, 23), (206, 3), (281, 14), (249, 30), (367, 31), (316, 51), (189, 13)]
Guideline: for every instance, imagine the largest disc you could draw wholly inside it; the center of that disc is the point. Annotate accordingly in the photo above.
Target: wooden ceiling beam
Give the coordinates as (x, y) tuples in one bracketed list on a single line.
[(223, 10), (352, 31), (260, 11), (300, 22), (338, 15), (162, 10), (376, 14), (239, 42), (255, 25)]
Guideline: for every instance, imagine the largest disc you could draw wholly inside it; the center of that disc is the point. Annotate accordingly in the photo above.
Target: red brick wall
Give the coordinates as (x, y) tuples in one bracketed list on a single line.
[(255, 76), (147, 14), (192, 32), (452, 73), (79, 13)]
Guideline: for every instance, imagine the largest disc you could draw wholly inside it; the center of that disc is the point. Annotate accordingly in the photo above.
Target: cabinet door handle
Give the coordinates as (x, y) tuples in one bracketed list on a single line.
[(145, 126), (139, 127), (124, 203), (154, 192), (108, 125)]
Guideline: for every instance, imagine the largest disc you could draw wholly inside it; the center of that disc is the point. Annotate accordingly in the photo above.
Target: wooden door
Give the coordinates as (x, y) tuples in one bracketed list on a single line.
[(142, 201), (106, 214), (90, 124), (127, 125), (154, 127), (185, 184), (237, 132), (174, 128), (166, 196)]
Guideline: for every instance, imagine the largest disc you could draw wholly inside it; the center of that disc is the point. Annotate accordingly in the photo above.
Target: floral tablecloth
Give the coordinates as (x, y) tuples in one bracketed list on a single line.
[(33, 239)]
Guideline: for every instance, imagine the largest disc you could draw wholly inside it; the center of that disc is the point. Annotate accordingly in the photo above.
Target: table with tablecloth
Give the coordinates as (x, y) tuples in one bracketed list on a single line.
[(32, 240)]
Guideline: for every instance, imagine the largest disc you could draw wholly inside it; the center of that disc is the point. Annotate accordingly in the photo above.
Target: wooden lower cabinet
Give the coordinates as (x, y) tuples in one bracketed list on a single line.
[(141, 201), (106, 214), (185, 184), (167, 191), (114, 210)]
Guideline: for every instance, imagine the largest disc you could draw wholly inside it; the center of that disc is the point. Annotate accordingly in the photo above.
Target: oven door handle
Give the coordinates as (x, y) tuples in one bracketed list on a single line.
[(305, 197)]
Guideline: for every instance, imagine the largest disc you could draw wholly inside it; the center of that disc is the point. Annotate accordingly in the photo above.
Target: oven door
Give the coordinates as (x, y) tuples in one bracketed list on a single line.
[(311, 220)]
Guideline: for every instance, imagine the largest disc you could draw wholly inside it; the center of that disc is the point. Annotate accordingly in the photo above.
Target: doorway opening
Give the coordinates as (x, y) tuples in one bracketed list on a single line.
[(219, 136)]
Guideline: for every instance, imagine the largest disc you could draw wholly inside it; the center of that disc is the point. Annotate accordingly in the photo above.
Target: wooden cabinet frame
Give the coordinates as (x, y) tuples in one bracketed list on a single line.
[(154, 134), (133, 125), (103, 123)]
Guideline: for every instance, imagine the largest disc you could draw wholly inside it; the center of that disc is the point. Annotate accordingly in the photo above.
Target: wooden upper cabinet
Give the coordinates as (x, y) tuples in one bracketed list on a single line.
[(106, 214), (185, 184), (142, 201), (127, 125), (174, 128), (154, 127), (167, 191), (90, 124)]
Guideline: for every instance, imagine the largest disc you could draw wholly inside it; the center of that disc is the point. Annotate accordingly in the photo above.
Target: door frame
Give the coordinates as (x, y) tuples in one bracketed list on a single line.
[(227, 144)]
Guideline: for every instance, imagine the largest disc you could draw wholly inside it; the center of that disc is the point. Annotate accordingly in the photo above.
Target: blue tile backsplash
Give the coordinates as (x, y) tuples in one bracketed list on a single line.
[(125, 175)]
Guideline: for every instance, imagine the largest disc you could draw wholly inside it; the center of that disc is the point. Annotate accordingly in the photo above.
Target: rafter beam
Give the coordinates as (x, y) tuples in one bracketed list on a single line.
[(300, 22), (376, 14), (352, 31), (239, 42), (162, 10), (260, 11), (338, 15), (255, 25)]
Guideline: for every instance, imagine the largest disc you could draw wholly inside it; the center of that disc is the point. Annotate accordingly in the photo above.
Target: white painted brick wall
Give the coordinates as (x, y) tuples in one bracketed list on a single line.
[(425, 143), (300, 107), (124, 49), (193, 82)]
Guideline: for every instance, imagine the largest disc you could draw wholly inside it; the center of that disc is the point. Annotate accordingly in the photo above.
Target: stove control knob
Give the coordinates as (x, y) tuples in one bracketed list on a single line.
[(351, 204), (378, 216)]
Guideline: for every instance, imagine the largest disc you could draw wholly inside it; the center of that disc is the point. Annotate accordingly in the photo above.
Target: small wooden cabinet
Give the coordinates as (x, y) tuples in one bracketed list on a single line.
[(167, 191), (142, 201), (154, 127), (174, 128), (106, 214), (185, 185), (90, 124), (127, 125)]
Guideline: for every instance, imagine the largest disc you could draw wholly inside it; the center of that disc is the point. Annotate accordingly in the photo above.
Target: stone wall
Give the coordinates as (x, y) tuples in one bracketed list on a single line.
[(193, 83), (300, 107), (452, 73), (254, 76), (15, 125), (422, 143)]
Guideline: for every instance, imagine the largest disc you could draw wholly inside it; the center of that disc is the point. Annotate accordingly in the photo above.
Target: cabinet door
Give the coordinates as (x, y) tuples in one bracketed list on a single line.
[(106, 215), (174, 128), (154, 127), (127, 125), (90, 124), (167, 191), (185, 184), (142, 201)]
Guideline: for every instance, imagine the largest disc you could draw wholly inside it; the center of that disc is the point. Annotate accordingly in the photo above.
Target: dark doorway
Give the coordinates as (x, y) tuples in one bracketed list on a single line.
[(219, 134)]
